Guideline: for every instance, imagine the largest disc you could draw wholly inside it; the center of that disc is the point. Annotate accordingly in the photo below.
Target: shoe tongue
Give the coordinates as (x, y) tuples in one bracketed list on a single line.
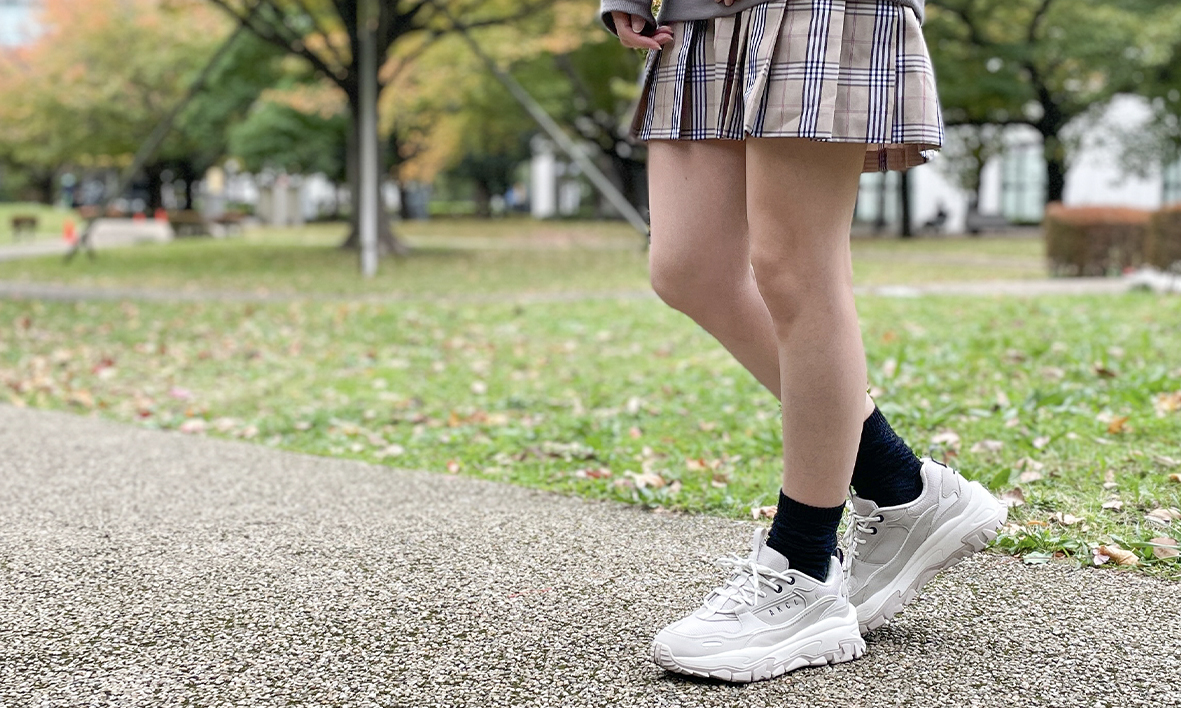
[(863, 507), (766, 556)]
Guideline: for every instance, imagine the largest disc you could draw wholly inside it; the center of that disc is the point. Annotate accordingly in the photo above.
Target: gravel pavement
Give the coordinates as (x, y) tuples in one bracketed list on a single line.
[(149, 568)]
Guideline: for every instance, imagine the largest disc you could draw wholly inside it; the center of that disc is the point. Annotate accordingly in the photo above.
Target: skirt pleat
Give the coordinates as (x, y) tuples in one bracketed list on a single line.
[(829, 70)]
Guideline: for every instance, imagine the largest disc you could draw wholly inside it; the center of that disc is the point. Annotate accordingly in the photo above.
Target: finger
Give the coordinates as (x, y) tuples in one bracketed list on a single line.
[(638, 24), (628, 36)]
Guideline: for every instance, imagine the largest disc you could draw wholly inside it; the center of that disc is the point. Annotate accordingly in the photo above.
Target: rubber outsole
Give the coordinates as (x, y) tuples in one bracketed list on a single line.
[(847, 648), (974, 541)]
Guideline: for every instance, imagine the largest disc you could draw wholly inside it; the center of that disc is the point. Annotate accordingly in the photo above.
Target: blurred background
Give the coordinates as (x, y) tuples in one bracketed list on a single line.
[(261, 109)]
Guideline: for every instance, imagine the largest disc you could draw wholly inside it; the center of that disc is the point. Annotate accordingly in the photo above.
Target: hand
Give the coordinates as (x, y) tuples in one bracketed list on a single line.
[(629, 27), (728, 3)]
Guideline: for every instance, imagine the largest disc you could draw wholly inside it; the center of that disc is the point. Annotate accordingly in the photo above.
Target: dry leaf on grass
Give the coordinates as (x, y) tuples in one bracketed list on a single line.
[(763, 512), (1165, 547), (1118, 424), (1041, 442), (1119, 555), (988, 446), (1066, 519), (1013, 497), (1167, 403), (1175, 478), (1164, 516), (192, 425), (648, 479), (948, 437), (1114, 504), (1165, 461)]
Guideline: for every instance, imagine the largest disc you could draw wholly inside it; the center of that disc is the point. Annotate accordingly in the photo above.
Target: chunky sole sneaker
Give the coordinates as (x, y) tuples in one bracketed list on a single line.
[(894, 551), (764, 621)]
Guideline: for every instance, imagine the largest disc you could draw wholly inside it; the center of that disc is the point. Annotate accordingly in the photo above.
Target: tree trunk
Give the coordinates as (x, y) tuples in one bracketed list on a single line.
[(154, 173), (387, 243), (1055, 168), (483, 199)]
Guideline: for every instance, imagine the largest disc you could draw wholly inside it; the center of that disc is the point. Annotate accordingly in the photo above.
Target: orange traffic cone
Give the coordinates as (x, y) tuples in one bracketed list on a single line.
[(160, 215), (68, 233), (139, 216)]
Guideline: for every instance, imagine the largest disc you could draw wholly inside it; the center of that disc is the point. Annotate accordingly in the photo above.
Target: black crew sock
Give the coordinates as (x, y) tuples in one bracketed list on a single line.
[(887, 471), (805, 535)]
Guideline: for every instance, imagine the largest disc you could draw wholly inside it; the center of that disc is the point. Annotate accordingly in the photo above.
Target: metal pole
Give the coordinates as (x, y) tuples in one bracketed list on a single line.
[(559, 136), (370, 191)]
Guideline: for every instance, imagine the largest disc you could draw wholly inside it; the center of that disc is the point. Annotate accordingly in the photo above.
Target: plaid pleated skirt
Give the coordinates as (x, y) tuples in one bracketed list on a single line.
[(830, 70)]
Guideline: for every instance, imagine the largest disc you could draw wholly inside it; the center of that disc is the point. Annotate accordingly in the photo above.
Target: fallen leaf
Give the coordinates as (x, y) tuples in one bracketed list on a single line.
[(1164, 461), (453, 466), (1098, 557), (1013, 497), (707, 425), (1118, 425), (1066, 519), (948, 438), (1167, 403), (192, 426), (1104, 372), (648, 479), (1002, 400), (1119, 555), (390, 451), (1041, 442), (694, 464), (1029, 477), (763, 512), (1114, 504), (719, 480), (1165, 547), (1163, 516), (479, 387), (988, 446), (1175, 478), (634, 432), (675, 487)]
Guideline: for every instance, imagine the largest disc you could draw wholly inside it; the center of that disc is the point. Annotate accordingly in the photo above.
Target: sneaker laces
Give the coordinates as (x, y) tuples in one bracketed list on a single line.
[(745, 582), (860, 526)]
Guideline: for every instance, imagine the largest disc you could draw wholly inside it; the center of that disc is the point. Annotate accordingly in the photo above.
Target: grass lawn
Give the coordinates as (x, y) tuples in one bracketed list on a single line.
[(1074, 401), (462, 256)]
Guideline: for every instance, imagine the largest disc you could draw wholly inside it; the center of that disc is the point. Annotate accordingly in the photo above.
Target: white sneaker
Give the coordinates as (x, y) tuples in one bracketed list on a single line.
[(895, 550), (766, 620)]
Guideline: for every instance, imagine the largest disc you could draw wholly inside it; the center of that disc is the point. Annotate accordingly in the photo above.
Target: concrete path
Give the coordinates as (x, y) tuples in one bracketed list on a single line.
[(140, 568), (1019, 288)]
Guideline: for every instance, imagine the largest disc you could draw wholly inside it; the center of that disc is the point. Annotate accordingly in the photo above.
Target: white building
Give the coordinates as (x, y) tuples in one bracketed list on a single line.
[(1014, 184)]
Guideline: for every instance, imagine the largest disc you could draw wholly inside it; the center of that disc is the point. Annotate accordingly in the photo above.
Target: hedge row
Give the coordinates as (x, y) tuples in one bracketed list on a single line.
[(1096, 241)]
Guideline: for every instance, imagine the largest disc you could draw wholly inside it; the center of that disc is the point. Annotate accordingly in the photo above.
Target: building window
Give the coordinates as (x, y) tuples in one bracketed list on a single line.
[(1023, 183), (1171, 189)]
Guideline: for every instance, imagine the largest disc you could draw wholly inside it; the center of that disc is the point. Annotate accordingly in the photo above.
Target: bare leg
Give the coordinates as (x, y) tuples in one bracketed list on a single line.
[(699, 258), (800, 200)]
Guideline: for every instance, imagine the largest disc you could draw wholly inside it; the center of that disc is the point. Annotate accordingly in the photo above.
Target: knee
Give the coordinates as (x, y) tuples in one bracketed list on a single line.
[(783, 284), (692, 284)]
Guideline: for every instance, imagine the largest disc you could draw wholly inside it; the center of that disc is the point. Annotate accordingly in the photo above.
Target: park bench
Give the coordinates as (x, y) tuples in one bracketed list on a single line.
[(24, 225), (189, 222), (977, 222), (231, 222)]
